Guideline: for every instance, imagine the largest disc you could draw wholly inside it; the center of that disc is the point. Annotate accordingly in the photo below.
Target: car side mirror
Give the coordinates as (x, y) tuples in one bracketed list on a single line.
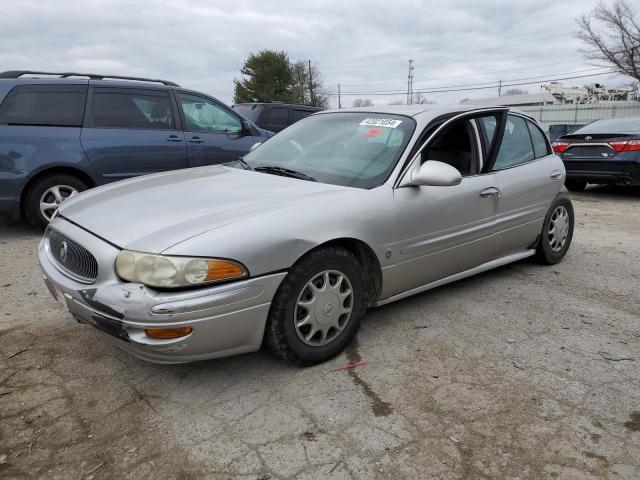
[(246, 129), (436, 174)]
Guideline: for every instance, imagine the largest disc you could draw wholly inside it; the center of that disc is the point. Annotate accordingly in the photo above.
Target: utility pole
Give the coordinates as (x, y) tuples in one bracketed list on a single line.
[(500, 88), (339, 104), (410, 84), (313, 103)]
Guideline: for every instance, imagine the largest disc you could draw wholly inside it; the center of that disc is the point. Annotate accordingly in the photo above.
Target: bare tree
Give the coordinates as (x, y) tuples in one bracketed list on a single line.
[(617, 42), (420, 99), (362, 102), (396, 102), (515, 91), (301, 81)]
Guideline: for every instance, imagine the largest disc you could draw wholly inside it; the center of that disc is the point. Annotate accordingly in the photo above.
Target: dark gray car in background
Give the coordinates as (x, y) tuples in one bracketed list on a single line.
[(274, 116), (63, 133)]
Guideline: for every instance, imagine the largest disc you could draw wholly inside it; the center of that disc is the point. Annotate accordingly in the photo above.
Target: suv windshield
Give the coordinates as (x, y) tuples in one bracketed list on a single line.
[(350, 149), (612, 125), (250, 111)]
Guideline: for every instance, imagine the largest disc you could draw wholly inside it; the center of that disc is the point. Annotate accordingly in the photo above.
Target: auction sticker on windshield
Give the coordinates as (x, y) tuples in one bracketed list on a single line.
[(381, 122)]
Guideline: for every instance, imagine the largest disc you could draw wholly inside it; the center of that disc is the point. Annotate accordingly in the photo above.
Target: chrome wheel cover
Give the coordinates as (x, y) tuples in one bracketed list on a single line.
[(53, 197), (323, 308), (558, 228)]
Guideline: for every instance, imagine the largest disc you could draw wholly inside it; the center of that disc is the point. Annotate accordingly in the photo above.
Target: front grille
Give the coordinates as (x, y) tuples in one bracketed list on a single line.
[(71, 257)]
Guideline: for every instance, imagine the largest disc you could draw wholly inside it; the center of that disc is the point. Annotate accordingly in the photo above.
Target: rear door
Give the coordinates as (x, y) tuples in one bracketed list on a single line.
[(130, 132), (529, 177), (214, 133)]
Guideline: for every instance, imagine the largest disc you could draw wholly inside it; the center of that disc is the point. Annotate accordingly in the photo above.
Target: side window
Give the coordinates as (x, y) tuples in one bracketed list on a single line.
[(300, 114), (540, 143), (455, 146), (128, 109), (516, 147), (278, 116), (202, 115), (51, 105)]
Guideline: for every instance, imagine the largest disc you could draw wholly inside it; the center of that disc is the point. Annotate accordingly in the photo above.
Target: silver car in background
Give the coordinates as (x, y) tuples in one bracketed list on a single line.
[(343, 211)]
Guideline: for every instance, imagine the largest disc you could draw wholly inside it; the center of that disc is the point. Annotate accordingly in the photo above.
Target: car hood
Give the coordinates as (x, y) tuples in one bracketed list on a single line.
[(154, 212)]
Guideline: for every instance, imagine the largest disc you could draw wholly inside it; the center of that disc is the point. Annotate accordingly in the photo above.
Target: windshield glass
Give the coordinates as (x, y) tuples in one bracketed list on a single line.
[(250, 111), (612, 125), (350, 149)]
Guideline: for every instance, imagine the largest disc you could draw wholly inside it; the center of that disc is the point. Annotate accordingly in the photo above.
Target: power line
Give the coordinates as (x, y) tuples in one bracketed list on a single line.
[(495, 85)]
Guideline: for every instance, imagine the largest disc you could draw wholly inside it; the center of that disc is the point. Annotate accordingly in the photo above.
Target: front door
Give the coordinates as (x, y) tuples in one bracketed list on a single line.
[(447, 230), (130, 132), (213, 132)]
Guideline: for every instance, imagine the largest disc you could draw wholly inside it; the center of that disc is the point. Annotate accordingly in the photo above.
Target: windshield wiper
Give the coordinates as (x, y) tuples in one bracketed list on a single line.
[(285, 172), (241, 161)]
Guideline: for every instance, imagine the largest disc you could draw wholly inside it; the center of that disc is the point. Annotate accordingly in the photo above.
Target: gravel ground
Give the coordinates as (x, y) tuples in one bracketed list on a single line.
[(497, 376)]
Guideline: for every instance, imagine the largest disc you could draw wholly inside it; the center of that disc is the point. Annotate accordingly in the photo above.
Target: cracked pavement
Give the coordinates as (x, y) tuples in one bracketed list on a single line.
[(498, 376)]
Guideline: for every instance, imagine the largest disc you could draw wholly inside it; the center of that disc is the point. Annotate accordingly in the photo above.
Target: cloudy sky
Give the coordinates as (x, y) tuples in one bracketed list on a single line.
[(362, 45)]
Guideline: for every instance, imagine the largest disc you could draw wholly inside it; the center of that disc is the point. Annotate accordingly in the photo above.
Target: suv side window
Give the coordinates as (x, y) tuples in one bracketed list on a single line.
[(278, 116), (47, 105), (516, 147), (112, 108), (300, 114), (540, 144), (202, 115)]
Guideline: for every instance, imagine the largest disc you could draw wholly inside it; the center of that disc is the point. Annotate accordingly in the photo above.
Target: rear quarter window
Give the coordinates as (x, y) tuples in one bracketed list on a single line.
[(44, 105), (541, 147)]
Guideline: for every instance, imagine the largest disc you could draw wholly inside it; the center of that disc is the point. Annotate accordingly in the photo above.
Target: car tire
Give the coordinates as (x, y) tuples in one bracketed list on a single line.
[(288, 336), (557, 231), (42, 192), (575, 185)]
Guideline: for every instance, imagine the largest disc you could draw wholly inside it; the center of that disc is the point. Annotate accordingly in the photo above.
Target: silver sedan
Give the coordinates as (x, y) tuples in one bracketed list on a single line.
[(343, 211)]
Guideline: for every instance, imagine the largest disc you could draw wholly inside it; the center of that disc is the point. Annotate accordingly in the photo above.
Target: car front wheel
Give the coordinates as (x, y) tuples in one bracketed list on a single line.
[(317, 308)]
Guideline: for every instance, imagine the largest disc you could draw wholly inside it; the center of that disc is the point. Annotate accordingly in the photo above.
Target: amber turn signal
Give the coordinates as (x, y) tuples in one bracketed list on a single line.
[(168, 333), (221, 269)]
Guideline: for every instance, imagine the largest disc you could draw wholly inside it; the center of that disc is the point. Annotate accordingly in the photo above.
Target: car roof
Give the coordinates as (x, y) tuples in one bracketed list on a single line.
[(279, 104)]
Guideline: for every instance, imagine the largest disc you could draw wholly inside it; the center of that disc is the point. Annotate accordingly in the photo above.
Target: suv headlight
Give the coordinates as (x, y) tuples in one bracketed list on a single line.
[(170, 272)]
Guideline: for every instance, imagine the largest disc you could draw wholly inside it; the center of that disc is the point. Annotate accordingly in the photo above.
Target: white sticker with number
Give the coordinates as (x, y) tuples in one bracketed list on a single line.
[(381, 122)]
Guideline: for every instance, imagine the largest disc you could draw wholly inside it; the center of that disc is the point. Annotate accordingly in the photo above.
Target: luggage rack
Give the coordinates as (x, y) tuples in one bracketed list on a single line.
[(92, 76)]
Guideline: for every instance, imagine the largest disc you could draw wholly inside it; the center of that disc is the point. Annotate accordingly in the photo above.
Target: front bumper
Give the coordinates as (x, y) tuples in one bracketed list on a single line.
[(226, 319)]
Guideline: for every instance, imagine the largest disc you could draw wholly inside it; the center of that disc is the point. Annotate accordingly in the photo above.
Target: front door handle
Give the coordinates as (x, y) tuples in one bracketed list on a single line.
[(490, 192), (174, 138), (195, 139), (555, 175)]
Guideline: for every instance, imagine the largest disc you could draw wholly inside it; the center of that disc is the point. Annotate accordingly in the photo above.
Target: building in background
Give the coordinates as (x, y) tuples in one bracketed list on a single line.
[(562, 109)]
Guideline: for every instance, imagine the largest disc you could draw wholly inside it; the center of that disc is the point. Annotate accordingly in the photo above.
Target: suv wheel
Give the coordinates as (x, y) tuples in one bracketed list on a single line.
[(557, 231), (317, 308), (45, 195)]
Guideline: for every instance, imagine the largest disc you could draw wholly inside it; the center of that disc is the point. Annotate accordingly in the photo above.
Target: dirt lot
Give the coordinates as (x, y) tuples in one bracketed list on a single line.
[(497, 376)]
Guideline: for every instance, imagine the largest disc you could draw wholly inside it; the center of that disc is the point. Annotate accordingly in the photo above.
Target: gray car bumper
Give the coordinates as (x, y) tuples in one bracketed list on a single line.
[(227, 319)]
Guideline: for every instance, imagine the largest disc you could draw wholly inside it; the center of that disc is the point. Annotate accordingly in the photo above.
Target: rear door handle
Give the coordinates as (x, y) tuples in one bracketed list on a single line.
[(490, 192), (195, 140), (555, 175), (174, 138)]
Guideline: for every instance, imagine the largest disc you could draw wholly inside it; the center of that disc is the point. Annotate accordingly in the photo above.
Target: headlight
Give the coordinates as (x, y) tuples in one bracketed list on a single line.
[(170, 272)]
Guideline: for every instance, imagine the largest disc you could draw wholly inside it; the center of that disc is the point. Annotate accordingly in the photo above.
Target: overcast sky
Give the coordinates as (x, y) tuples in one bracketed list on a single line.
[(363, 45)]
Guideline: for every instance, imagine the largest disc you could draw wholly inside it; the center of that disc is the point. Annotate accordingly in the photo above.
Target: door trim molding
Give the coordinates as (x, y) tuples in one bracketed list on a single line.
[(498, 262)]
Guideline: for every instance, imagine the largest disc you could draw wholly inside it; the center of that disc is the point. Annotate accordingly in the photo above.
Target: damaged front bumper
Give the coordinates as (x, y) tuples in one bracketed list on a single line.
[(226, 319)]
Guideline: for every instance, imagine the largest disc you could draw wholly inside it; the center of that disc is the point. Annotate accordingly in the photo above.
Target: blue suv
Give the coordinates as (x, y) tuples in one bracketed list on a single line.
[(71, 131)]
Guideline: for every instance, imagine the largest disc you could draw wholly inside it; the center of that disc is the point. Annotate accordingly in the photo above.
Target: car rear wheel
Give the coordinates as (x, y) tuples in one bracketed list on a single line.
[(557, 231), (317, 308), (45, 196), (575, 185)]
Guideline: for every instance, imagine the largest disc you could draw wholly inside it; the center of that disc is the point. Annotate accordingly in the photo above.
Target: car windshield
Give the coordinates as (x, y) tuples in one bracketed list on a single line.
[(250, 111), (350, 149), (612, 125)]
